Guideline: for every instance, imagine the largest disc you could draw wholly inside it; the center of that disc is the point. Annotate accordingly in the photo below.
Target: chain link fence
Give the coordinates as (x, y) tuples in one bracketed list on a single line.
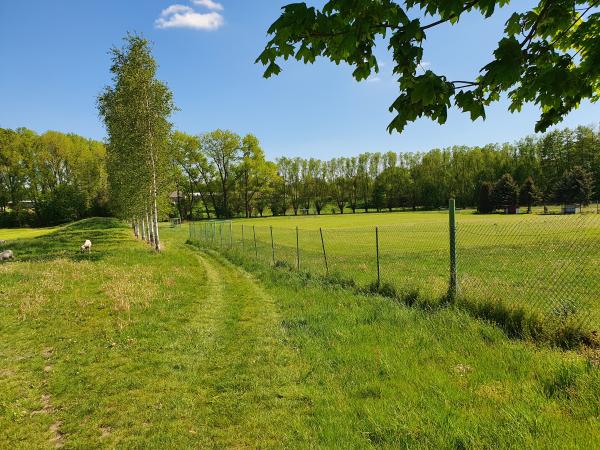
[(528, 271)]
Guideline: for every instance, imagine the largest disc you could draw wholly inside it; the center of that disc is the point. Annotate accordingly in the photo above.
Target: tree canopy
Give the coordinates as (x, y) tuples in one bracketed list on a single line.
[(548, 55), (375, 181), (136, 111), (50, 178)]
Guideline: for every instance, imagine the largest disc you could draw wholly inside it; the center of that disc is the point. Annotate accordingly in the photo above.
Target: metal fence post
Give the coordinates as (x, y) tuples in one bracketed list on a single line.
[(221, 236), (377, 253), (272, 244), (324, 253), (255, 247), (242, 238), (452, 289), (230, 236), (297, 250)]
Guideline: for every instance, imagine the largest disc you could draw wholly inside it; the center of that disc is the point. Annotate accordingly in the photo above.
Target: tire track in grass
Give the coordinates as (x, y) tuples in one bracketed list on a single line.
[(255, 396)]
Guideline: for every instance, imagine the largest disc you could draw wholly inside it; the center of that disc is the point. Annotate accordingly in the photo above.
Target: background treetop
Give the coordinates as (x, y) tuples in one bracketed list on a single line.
[(548, 55)]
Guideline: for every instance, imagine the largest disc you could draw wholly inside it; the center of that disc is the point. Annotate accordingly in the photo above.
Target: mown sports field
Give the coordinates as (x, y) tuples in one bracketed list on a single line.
[(128, 348)]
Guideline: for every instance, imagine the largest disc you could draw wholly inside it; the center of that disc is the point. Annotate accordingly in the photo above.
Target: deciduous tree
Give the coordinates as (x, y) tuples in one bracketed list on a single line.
[(547, 55)]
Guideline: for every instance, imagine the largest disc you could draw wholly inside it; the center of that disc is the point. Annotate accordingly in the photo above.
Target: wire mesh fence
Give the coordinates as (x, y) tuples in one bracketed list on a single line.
[(547, 266)]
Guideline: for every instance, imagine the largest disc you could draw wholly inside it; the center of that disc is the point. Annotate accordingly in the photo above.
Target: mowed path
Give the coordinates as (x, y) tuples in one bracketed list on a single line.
[(138, 350), (249, 376)]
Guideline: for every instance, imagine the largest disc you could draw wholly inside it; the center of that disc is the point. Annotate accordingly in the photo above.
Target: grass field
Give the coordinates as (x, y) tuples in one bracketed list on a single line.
[(7, 234), (128, 348), (534, 268)]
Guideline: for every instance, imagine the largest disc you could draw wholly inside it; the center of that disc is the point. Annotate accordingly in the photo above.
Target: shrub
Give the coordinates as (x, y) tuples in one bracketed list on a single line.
[(65, 204), (505, 193), (485, 204)]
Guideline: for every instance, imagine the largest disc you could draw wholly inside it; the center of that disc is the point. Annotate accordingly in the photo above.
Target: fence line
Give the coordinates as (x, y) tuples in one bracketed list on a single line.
[(548, 265)]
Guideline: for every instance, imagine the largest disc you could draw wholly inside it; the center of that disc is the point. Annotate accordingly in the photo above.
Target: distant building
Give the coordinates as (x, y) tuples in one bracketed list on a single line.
[(174, 196), (570, 209)]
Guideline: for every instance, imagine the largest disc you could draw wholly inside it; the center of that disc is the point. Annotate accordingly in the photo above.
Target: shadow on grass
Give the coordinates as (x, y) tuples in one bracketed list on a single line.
[(66, 242)]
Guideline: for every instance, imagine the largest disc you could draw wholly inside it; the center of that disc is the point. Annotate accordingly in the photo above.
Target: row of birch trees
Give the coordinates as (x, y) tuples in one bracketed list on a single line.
[(136, 110)]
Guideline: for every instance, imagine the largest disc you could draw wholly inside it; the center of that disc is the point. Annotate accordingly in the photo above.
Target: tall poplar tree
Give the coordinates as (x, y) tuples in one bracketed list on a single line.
[(136, 111)]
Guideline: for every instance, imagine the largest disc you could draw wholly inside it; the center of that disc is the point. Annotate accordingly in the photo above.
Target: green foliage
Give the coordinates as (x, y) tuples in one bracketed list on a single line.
[(50, 178), (64, 204), (399, 180), (575, 187), (136, 111), (530, 195), (506, 192), (378, 200), (548, 55), (485, 204)]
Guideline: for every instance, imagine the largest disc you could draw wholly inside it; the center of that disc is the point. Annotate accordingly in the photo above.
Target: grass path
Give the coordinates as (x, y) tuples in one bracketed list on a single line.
[(247, 371), (129, 349), (135, 349)]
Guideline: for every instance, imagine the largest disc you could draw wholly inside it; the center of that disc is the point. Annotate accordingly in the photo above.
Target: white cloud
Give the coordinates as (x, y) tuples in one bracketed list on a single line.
[(210, 4), (175, 9), (180, 16), (373, 79)]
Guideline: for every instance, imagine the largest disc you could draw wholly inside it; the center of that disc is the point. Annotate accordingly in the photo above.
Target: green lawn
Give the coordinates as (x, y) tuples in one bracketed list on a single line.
[(543, 266), (9, 234), (131, 349)]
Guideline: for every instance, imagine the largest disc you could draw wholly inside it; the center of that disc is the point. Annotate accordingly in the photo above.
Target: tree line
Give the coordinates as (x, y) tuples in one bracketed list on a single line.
[(55, 177), (223, 174), (50, 178)]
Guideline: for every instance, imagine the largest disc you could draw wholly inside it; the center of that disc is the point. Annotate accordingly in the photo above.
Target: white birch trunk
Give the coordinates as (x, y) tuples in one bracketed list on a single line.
[(156, 235), (150, 228), (143, 229), (154, 191)]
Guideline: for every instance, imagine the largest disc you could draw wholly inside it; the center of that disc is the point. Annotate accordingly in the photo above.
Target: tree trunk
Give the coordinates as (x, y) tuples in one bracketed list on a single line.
[(155, 221), (143, 223), (150, 228)]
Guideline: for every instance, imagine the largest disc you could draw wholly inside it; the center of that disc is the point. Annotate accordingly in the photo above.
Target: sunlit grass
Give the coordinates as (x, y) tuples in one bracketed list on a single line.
[(130, 349), (545, 267), (8, 234)]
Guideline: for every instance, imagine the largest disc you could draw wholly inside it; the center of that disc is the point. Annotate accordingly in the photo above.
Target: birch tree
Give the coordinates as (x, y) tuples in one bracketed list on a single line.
[(135, 110)]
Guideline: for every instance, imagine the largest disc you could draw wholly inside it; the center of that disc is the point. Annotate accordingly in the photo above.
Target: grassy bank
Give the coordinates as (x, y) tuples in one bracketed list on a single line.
[(129, 348)]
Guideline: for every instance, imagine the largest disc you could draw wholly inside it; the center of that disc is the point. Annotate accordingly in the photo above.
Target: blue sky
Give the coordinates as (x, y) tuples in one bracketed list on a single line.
[(55, 61)]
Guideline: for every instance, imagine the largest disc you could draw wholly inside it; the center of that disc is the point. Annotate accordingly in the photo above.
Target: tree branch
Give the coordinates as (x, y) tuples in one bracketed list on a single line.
[(451, 16)]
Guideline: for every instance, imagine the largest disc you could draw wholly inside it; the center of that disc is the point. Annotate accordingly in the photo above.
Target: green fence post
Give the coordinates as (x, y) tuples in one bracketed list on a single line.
[(452, 289), (297, 250), (272, 245), (324, 253), (377, 253), (242, 238), (230, 236), (255, 247), (221, 236)]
